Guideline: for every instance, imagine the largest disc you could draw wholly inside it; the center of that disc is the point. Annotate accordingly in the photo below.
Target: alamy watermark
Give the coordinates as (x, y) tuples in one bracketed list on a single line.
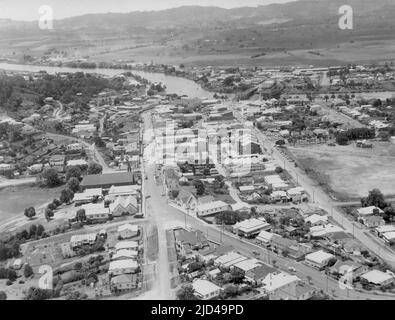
[(346, 18)]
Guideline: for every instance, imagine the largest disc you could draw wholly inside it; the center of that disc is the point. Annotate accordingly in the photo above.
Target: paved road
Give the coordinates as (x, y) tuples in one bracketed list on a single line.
[(320, 197), (163, 214)]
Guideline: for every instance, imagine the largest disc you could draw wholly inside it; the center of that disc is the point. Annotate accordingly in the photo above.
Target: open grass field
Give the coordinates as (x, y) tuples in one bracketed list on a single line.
[(14, 200), (350, 172)]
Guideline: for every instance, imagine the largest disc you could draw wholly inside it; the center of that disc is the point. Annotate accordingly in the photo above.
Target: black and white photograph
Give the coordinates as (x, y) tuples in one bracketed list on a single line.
[(197, 157)]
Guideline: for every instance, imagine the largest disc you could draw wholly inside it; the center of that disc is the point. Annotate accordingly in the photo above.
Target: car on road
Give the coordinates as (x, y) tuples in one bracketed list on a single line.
[(292, 269), (256, 253)]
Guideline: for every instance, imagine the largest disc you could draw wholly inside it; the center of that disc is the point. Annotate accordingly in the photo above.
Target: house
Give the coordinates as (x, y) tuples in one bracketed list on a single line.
[(124, 206), (17, 265), (389, 237), (211, 208), (126, 245), (125, 254), (107, 180), (354, 269), (251, 227), (80, 240), (96, 212), (383, 229), (319, 259), (124, 282), (75, 147), (368, 211), (317, 220), (187, 241), (245, 190), (122, 191), (128, 230), (206, 290), (372, 221), (229, 259), (279, 196), (123, 267), (247, 264), (87, 196), (259, 273), (57, 160), (378, 277), (280, 286), (291, 248), (77, 163), (324, 230), (240, 207), (264, 237)]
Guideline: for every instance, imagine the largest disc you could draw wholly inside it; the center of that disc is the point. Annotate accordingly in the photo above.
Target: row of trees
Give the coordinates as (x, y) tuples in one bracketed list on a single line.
[(343, 137)]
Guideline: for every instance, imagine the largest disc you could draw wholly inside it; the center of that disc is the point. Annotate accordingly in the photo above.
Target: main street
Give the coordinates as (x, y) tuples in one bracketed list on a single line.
[(321, 198), (163, 214)]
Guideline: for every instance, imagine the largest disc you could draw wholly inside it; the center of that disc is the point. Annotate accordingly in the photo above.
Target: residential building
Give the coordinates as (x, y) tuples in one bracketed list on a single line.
[(319, 259), (205, 289), (126, 245), (211, 208), (122, 191), (251, 227), (368, 211), (188, 241), (87, 196), (123, 267), (378, 277), (124, 282), (80, 240), (128, 230), (259, 273), (125, 254), (96, 212), (373, 221), (124, 206)]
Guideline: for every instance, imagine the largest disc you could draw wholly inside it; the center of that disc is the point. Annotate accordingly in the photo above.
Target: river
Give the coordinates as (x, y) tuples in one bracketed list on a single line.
[(177, 85)]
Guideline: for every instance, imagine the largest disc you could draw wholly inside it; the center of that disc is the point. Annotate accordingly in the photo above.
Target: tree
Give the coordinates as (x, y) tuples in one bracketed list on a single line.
[(237, 275), (48, 213), (73, 184), (27, 271), (94, 168), (66, 195), (279, 170), (30, 212), (230, 290), (40, 230), (3, 295), (199, 185), (389, 214), (227, 217), (375, 198), (51, 177), (186, 293), (73, 172), (81, 216)]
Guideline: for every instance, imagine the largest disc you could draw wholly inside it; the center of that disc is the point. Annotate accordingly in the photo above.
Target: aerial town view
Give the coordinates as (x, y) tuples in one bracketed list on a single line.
[(215, 150)]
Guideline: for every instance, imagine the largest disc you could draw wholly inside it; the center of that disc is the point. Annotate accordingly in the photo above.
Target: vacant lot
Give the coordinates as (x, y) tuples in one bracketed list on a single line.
[(14, 200), (350, 171)]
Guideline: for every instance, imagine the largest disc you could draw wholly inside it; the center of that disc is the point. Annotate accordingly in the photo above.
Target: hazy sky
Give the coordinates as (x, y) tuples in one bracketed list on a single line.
[(28, 9)]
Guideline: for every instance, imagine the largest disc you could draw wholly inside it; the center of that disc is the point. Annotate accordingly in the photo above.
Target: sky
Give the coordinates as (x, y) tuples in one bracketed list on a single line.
[(29, 9)]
